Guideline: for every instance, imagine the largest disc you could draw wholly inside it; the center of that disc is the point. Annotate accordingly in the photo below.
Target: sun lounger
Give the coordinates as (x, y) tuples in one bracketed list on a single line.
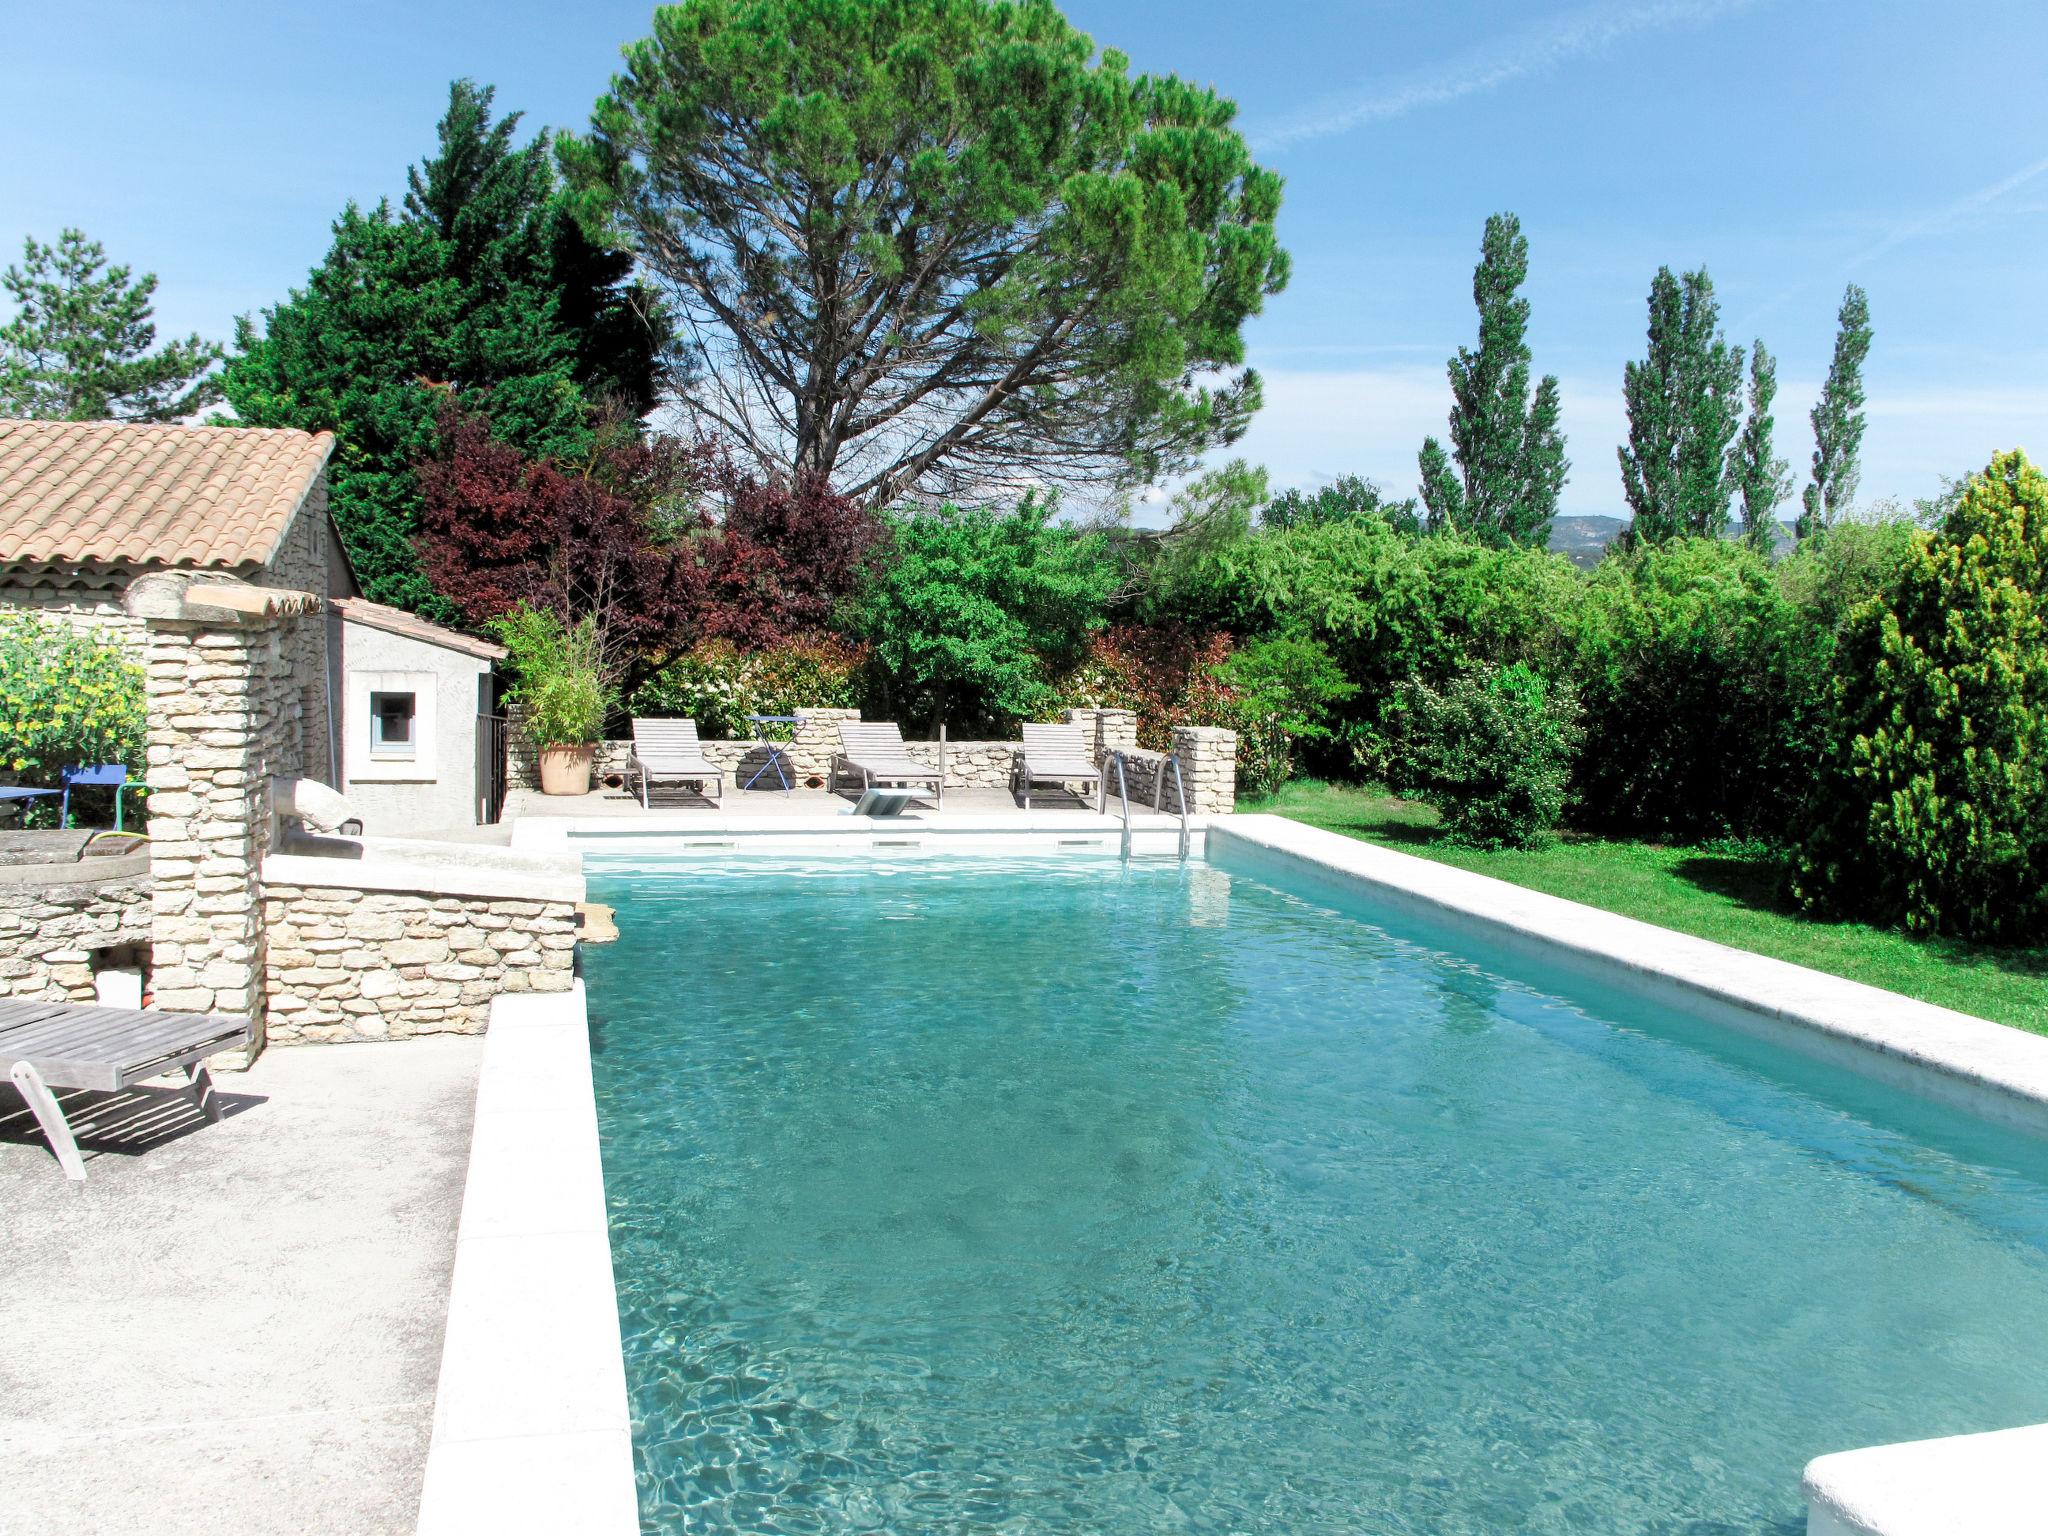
[(1054, 754), (669, 749), (873, 752), (67, 1045)]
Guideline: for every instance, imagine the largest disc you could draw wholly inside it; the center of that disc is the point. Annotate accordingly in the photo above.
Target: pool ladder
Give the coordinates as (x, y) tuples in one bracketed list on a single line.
[(1123, 796)]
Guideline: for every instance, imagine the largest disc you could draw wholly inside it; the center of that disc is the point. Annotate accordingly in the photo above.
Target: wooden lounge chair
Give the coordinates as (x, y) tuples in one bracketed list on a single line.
[(1054, 754), (873, 751), (669, 749), (68, 1045)]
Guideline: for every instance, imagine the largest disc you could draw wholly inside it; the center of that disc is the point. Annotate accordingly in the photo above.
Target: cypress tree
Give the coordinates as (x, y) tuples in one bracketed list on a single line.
[(1761, 478), (1684, 409), (1838, 419), (1508, 446)]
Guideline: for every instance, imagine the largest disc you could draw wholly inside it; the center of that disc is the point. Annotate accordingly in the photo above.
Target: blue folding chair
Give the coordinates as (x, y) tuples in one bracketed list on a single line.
[(99, 776)]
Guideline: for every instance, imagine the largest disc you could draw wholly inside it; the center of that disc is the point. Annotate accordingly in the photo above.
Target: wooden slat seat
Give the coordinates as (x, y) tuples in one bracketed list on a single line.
[(1054, 754), (670, 749), (874, 750), (68, 1045)]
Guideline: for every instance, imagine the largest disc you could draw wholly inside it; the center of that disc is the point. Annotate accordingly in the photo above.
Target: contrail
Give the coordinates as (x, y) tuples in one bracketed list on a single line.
[(1911, 229), (1569, 37), (1942, 218)]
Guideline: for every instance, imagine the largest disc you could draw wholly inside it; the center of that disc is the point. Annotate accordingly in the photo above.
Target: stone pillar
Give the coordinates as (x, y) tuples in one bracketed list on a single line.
[(814, 742), (1208, 763), (1109, 730), (225, 714)]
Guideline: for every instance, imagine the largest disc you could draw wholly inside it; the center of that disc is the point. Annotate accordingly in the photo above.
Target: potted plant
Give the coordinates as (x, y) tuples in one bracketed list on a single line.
[(559, 684)]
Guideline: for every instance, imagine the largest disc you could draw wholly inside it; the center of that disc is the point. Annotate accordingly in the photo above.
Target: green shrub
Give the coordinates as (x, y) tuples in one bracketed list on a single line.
[(1704, 689), (1933, 812), (973, 611), (1830, 572), (67, 696), (558, 680), (1492, 751), (1282, 691), (1388, 606), (718, 685)]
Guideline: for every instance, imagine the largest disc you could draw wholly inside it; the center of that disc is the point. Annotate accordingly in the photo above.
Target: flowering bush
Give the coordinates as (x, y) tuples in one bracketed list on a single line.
[(718, 685), (67, 696)]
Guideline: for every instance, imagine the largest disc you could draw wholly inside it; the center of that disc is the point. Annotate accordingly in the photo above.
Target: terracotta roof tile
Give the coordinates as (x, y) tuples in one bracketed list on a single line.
[(107, 493)]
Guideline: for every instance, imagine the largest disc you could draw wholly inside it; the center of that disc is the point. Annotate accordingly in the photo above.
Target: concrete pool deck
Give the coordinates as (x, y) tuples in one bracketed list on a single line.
[(234, 1327)]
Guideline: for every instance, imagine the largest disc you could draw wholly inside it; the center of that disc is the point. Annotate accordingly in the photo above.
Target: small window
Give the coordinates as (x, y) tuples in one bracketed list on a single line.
[(393, 731)]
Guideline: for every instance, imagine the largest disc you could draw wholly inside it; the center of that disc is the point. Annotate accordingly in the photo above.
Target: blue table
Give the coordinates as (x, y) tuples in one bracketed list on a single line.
[(19, 796), (776, 759)]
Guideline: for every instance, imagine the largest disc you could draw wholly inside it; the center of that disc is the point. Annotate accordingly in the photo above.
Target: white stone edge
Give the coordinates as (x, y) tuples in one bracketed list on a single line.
[(531, 1427), (1990, 1070), (470, 870), (1993, 1484), (657, 830)]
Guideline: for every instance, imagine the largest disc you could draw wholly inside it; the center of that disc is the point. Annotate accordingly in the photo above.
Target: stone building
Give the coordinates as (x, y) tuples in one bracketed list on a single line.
[(88, 507), (388, 703)]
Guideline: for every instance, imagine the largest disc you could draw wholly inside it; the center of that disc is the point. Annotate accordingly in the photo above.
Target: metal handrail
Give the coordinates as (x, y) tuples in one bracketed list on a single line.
[(1123, 795)]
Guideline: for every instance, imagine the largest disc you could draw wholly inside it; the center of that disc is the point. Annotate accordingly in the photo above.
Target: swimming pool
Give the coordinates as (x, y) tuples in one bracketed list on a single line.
[(1065, 1195)]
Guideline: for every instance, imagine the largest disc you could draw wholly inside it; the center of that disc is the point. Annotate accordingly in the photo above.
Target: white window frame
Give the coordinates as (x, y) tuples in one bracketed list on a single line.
[(362, 764)]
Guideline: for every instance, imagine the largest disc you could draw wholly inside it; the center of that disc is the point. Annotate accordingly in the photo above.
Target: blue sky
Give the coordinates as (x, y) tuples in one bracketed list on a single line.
[(1790, 147)]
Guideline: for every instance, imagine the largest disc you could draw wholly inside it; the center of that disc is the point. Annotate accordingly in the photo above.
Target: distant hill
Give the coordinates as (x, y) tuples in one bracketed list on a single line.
[(1583, 540)]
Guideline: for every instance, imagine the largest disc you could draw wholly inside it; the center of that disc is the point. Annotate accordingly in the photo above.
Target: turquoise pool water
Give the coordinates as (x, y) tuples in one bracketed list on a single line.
[(1076, 1197)]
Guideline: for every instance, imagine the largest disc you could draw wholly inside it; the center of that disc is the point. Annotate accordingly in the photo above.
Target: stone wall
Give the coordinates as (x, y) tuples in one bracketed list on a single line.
[(54, 918), (346, 965), (82, 605), (302, 564), (1208, 758)]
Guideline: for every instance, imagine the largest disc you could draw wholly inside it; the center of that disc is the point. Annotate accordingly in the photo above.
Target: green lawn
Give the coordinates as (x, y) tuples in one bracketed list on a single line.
[(1713, 894)]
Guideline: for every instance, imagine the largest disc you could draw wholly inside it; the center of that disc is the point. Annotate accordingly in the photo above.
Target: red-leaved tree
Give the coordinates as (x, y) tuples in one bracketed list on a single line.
[(614, 537), (630, 537), (793, 551)]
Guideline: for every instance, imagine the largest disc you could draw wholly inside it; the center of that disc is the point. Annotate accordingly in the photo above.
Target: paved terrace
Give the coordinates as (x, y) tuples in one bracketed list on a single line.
[(234, 1327)]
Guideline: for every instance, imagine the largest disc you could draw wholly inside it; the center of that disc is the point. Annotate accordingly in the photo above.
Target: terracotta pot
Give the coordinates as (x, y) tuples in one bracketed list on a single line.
[(566, 770)]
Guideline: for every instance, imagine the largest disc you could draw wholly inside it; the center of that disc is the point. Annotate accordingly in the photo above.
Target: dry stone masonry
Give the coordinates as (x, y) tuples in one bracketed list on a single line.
[(58, 922), (344, 964), (226, 712), (968, 764)]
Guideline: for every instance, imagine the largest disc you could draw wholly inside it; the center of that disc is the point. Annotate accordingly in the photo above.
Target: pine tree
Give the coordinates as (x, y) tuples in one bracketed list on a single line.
[(481, 286), (79, 347), (1684, 409), (1762, 479), (1509, 449), (1838, 419)]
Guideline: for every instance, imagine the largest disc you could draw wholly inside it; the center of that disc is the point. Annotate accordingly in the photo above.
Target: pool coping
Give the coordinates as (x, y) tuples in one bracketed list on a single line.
[(659, 832), (532, 1432)]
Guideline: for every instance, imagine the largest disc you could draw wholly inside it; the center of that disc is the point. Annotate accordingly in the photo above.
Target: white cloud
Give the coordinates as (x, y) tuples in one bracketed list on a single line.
[(1535, 52)]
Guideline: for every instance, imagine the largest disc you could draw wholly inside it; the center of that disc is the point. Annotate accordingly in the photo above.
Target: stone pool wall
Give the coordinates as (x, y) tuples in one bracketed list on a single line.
[(344, 965)]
